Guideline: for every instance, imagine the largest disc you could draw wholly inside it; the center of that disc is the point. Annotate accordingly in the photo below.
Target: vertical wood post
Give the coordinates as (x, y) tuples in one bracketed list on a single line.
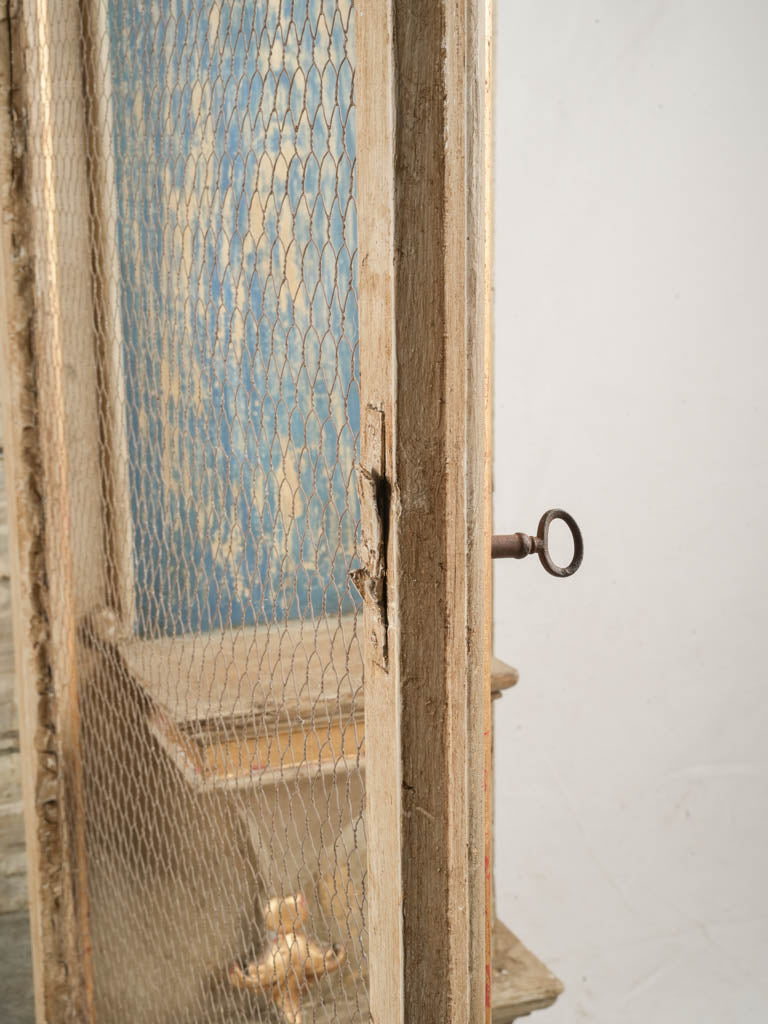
[(50, 358), (423, 85), (25, 522), (374, 76), (480, 134), (98, 113)]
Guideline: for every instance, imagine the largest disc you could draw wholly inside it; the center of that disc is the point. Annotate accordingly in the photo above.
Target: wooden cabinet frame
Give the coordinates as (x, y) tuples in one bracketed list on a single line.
[(424, 102), (38, 478), (423, 85)]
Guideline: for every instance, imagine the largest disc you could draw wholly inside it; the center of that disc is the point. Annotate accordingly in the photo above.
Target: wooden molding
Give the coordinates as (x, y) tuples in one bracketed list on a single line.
[(53, 461), (217, 704), (50, 840)]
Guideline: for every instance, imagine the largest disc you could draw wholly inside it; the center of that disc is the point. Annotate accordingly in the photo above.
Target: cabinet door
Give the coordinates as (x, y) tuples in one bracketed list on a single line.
[(251, 477)]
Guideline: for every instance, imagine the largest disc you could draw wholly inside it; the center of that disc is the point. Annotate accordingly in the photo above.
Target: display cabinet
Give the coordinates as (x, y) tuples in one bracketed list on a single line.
[(246, 255)]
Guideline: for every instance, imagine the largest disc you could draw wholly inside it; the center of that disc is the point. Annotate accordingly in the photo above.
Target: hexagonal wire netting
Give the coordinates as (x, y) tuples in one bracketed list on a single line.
[(220, 671)]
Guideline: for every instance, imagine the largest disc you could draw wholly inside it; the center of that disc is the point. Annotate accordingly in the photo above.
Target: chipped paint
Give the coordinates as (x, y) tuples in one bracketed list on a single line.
[(237, 231)]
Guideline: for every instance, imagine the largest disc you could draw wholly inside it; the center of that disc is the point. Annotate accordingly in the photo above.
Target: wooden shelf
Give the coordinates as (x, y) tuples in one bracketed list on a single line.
[(255, 704), (503, 677), (520, 982), (260, 704), (284, 673)]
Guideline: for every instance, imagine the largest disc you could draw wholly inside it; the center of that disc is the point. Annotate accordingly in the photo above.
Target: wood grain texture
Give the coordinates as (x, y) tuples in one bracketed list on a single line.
[(421, 358), (49, 906), (521, 982), (13, 882), (480, 135), (384, 804), (503, 676), (108, 335), (440, 570)]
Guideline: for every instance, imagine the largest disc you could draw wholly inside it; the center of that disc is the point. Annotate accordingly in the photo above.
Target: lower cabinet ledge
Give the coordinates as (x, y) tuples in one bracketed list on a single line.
[(521, 982)]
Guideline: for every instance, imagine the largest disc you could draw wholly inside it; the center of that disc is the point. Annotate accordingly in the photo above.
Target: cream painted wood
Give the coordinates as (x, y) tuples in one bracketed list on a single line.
[(423, 165), (212, 704), (68, 412), (117, 563), (51, 842)]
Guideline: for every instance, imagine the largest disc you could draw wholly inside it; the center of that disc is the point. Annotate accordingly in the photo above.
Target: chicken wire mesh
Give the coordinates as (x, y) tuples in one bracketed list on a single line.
[(201, 154)]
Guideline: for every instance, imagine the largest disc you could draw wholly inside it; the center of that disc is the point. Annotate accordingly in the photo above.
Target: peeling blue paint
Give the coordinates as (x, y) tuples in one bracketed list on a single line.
[(234, 135)]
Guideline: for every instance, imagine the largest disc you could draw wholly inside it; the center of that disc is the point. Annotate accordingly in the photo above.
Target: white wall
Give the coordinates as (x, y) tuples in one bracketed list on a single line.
[(631, 381)]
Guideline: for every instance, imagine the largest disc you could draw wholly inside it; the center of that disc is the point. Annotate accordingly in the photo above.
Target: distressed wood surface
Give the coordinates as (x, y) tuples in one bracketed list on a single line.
[(50, 913), (521, 982), (439, 571), (233, 675), (236, 236), (13, 887), (107, 297), (375, 197), (503, 676), (227, 712), (295, 478), (428, 717), (67, 420), (480, 139), (427, 816), (279, 675)]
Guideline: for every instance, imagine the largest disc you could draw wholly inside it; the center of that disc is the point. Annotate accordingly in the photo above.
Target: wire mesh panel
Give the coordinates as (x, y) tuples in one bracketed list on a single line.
[(195, 218), (234, 158)]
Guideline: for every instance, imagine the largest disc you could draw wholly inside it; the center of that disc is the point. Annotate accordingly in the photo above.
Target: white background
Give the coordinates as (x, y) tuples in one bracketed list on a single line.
[(631, 381)]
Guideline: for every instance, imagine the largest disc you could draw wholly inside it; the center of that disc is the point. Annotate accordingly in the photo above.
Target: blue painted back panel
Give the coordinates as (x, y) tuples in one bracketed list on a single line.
[(234, 135)]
